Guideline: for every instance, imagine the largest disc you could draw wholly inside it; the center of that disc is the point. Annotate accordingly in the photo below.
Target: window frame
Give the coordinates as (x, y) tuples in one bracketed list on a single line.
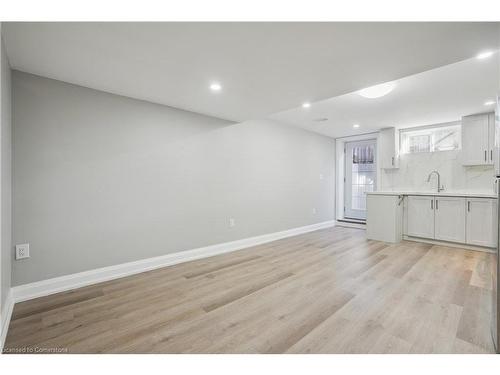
[(425, 127)]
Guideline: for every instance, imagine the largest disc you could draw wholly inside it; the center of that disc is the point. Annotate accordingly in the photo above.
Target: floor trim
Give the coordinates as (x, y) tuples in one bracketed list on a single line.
[(449, 244), (350, 224), (77, 280), (6, 314)]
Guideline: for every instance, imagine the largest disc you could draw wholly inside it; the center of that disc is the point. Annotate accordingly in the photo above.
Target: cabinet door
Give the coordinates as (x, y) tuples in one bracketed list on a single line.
[(420, 216), (388, 148), (491, 138), (481, 228), (496, 137), (450, 219), (475, 140)]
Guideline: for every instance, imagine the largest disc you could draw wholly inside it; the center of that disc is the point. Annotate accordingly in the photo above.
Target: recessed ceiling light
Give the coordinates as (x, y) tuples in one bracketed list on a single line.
[(484, 55), (215, 86), (355, 126), (306, 105), (489, 102), (378, 90)]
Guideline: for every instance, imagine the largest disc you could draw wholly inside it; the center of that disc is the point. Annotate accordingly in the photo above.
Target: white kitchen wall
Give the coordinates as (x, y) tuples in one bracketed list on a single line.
[(101, 179), (6, 183), (414, 169)]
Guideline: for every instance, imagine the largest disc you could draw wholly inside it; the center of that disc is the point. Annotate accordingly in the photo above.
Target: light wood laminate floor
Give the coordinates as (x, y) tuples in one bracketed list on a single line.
[(329, 291)]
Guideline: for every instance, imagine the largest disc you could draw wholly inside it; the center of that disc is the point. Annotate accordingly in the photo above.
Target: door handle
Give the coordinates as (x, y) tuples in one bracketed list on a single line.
[(468, 206)]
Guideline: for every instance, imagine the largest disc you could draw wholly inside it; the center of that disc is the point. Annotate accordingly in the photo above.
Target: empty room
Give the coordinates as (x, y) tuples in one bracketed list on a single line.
[(250, 187)]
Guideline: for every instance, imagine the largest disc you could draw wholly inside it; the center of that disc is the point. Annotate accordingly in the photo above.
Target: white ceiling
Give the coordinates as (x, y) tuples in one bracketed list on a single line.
[(436, 96), (264, 67)]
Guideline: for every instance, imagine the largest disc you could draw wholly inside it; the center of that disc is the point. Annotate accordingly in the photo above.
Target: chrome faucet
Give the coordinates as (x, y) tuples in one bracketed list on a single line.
[(439, 187)]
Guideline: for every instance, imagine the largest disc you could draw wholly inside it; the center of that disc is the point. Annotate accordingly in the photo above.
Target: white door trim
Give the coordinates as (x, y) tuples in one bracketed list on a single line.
[(339, 169)]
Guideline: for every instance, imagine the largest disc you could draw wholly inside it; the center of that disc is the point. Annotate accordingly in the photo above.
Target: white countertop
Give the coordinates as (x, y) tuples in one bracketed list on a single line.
[(445, 193)]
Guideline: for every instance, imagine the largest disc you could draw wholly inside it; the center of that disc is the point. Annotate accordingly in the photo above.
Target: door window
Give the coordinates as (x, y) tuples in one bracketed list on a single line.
[(360, 173)]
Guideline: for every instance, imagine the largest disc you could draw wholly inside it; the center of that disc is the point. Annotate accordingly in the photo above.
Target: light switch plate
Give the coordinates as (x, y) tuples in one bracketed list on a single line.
[(22, 251)]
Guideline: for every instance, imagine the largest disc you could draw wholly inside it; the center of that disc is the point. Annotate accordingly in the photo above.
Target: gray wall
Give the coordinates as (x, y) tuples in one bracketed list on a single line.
[(5, 186), (101, 179)]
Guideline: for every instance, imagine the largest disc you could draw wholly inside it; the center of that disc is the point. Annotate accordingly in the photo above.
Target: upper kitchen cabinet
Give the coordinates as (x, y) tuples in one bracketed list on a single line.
[(388, 146), (491, 136), (478, 139)]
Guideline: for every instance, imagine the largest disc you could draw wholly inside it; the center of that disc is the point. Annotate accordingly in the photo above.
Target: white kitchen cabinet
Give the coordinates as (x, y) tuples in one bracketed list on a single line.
[(478, 133), (420, 216), (384, 217), (481, 228), (466, 220), (449, 219), (388, 148), (495, 128), (491, 137)]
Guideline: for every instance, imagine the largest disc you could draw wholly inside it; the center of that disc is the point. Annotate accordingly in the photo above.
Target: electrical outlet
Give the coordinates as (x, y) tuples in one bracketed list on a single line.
[(232, 222), (314, 211), (22, 251)]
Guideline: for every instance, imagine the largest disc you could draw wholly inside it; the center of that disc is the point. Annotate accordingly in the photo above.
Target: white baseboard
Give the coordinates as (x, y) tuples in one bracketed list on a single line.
[(5, 316), (77, 280)]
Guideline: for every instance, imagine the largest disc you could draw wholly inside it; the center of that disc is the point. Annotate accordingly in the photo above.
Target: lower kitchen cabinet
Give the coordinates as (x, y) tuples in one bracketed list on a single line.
[(420, 216), (384, 218), (481, 225), (449, 219), (471, 221)]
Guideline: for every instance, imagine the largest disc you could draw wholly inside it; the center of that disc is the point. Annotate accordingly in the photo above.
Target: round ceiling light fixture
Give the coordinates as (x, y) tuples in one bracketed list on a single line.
[(215, 87), (489, 102), (355, 126), (306, 105), (377, 91)]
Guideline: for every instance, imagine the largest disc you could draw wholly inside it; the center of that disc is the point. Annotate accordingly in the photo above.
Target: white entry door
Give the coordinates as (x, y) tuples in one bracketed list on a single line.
[(360, 177)]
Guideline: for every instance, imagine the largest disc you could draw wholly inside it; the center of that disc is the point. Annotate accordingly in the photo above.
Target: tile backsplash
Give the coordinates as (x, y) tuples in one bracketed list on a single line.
[(414, 169)]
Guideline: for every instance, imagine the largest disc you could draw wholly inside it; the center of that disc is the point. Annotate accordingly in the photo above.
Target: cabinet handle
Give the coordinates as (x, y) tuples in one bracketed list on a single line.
[(485, 155), (437, 204), (468, 206), (491, 155), (432, 204)]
